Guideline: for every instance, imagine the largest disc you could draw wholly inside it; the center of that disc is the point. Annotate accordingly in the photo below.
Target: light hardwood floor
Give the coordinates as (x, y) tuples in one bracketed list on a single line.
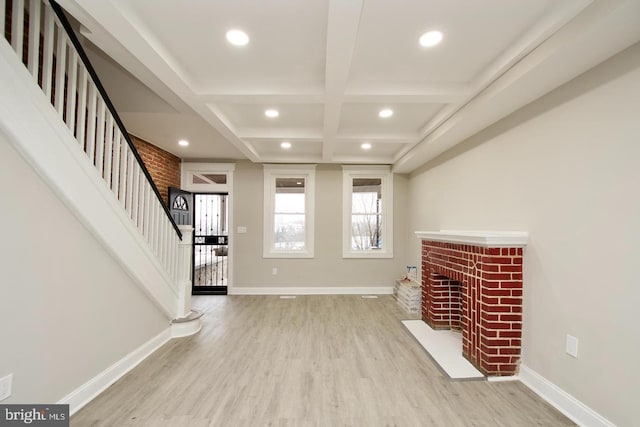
[(310, 361)]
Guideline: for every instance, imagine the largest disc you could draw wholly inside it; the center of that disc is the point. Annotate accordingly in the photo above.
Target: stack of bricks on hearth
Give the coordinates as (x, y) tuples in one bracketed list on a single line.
[(163, 166), (408, 294)]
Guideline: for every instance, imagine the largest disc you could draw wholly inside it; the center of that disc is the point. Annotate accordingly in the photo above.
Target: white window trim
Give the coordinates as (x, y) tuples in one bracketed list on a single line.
[(383, 172), (271, 172)]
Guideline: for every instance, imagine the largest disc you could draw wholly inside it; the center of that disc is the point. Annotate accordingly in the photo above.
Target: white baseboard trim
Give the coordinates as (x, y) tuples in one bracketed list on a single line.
[(496, 379), (185, 329), (577, 411), (92, 388), (366, 290)]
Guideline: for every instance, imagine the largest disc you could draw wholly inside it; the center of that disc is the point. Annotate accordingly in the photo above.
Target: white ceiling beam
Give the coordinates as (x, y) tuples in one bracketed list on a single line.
[(376, 139), (365, 160), (342, 32), (437, 95), (308, 135), (427, 98), (271, 98), (403, 92), (280, 133), (362, 135), (249, 88), (279, 158), (361, 160)]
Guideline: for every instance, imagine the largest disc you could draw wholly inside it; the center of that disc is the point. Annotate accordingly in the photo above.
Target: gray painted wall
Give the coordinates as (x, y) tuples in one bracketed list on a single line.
[(567, 170), (68, 310), (327, 268)]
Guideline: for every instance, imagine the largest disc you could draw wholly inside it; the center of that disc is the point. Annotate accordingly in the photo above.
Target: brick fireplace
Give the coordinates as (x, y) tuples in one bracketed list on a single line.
[(472, 282)]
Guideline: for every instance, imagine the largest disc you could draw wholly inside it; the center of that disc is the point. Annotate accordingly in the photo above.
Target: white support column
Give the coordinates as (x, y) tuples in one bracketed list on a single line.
[(188, 320)]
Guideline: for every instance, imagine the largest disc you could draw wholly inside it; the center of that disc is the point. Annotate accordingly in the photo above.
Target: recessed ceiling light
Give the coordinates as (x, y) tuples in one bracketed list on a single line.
[(237, 37), (299, 183), (366, 146), (386, 113), (286, 145), (430, 38), (271, 113), (183, 142)]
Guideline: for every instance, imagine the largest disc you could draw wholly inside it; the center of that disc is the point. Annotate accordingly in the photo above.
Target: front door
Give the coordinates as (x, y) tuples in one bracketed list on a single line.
[(181, 206), (210, 244)]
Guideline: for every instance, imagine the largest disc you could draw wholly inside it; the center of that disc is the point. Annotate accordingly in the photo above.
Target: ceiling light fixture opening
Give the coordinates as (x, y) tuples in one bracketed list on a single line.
[(286, 145), (366, 146), (430, 38), (271, 113), (237, 37), (183, 142), (386, 113)]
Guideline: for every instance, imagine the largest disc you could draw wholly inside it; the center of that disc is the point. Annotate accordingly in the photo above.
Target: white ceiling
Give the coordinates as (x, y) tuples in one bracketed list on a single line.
[(329, 67)]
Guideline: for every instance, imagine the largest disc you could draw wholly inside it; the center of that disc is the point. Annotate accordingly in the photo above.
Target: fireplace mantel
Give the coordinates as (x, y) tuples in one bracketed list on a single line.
[(487, 239)]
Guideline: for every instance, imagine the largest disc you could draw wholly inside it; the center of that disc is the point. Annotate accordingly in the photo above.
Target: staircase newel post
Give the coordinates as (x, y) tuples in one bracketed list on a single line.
[(184, 280), (187, 321)]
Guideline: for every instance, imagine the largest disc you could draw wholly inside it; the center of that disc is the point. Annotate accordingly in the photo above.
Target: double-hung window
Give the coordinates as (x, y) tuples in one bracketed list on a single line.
[(368, 212), (288, 211)]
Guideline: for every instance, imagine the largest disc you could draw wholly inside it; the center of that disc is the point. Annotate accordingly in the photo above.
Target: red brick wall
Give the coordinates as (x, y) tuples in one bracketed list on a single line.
[(163, 166), (443, 304), (488, 284)]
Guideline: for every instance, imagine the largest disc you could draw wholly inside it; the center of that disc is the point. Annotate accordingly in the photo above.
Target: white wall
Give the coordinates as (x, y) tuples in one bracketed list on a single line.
[(68, 310), (327, 268), (567, 170)]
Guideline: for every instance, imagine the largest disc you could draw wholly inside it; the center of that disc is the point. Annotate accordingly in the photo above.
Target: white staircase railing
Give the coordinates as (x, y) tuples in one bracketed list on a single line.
[(43, 40)]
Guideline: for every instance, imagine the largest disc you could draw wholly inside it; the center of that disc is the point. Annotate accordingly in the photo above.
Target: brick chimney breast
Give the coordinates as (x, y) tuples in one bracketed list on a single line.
[(474, 284)]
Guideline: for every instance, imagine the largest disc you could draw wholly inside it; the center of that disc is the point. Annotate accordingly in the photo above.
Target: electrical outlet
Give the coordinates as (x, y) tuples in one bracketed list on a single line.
[(5, 386), (572, 346), (242, 230), (274, 271)]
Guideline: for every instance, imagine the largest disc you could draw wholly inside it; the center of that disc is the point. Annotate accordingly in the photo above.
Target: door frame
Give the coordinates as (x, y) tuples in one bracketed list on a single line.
[(209, 290), (188, 171)]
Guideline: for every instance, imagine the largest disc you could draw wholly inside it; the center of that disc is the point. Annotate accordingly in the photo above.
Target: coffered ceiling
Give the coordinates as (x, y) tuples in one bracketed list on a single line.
[(328, 67)]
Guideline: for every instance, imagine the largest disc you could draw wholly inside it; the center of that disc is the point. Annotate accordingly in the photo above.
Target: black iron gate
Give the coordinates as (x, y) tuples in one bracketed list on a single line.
[(210, 244)]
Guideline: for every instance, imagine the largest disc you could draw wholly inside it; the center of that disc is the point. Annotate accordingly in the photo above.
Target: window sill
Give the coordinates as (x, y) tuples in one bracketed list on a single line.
[(292, 255), (365, 255)]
